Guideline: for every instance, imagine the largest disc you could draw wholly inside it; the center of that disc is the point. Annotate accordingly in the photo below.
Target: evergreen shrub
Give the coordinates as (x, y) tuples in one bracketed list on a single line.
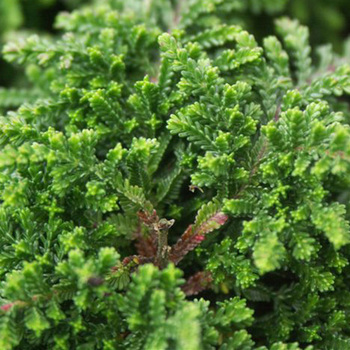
[(169, 183)]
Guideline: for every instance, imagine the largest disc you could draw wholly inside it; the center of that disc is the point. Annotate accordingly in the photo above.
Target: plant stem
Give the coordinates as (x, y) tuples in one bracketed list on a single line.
[(162, 228)]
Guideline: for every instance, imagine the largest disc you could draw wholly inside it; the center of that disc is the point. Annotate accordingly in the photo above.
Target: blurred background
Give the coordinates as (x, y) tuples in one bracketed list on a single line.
[(328, 20)]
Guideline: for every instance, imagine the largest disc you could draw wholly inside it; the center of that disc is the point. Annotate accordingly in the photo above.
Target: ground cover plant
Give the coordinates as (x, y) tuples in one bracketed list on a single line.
[(175, 184)]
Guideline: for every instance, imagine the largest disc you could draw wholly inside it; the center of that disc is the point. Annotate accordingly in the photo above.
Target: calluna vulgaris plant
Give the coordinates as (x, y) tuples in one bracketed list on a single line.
[(175, 185)]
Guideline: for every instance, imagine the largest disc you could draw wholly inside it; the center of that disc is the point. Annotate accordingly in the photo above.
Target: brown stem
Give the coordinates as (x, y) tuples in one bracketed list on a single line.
[(159, 233), (162, 252), (197, 283), (162, 229), (145, 245), (192, 237)]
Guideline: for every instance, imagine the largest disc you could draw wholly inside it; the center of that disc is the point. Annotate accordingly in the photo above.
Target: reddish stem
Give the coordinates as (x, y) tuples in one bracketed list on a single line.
[(197, 283)]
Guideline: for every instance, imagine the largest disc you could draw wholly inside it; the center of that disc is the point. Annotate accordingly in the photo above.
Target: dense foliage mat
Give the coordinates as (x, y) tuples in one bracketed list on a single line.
[(168, 183)]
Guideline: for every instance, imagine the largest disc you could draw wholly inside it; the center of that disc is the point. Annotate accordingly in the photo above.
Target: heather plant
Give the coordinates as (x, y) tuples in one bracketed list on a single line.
[(175, 185)]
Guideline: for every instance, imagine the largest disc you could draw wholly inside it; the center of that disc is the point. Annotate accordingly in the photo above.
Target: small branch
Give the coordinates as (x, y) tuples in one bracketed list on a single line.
[(148, 245), (159, 233), (191, 238), (197, 283), (163, 248), (162, 251), (187, 242), (145, 245)]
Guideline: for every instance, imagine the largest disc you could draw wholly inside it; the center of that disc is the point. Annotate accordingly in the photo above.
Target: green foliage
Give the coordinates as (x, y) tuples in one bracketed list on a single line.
[(160, 133)]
